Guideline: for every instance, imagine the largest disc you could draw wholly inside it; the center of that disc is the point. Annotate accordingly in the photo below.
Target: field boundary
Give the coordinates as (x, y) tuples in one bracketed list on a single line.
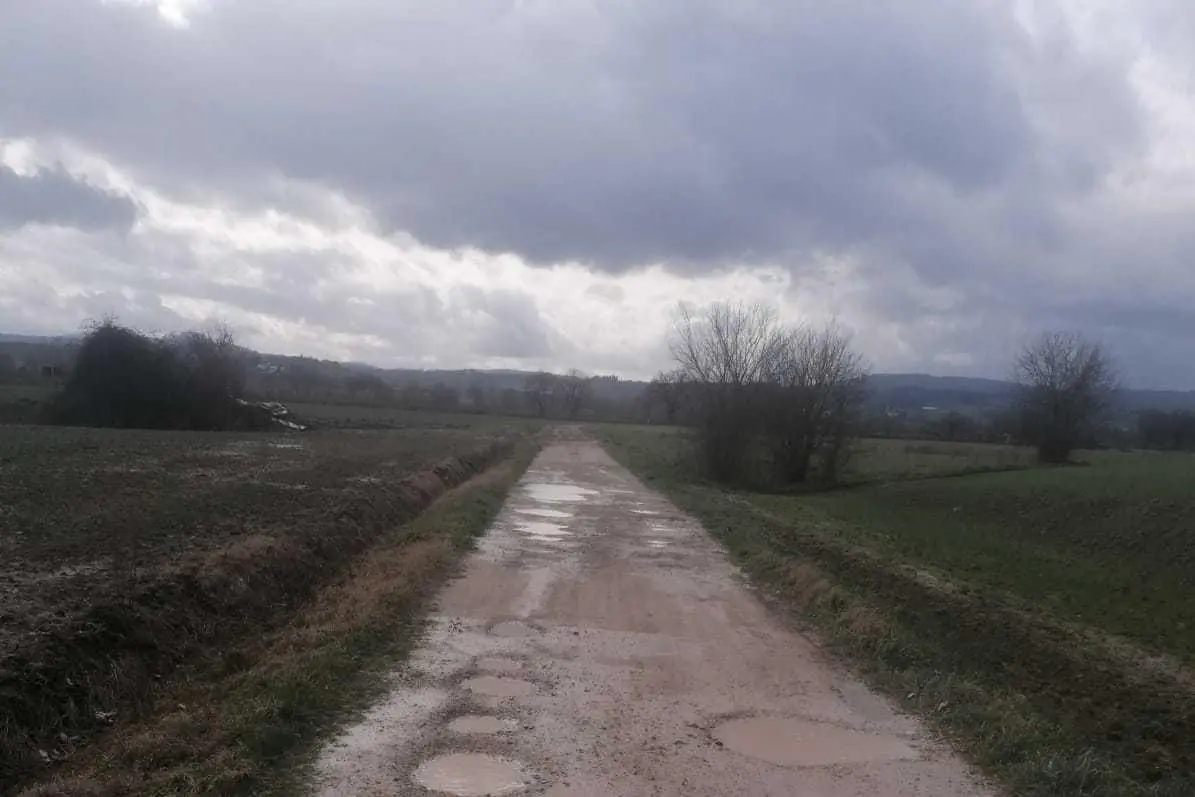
[(62, 688)]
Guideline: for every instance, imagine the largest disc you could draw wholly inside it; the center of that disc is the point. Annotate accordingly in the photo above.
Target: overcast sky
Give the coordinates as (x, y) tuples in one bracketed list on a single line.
[(537, 183)]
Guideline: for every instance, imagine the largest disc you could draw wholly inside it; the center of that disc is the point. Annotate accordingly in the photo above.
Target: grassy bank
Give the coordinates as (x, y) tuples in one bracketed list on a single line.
[(976, 601), (249, 721)]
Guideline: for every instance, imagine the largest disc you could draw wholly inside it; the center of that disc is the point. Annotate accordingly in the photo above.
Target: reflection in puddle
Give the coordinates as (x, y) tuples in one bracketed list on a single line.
[(558, 493), (645, 512), (470, 775), (801, 743), (481, 724), (497, 686), (540, 528), (549, 513), (658, 543)]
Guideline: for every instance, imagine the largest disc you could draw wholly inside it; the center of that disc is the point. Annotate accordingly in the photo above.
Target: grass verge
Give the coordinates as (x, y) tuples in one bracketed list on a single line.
[(250, 722), (1042, 707)]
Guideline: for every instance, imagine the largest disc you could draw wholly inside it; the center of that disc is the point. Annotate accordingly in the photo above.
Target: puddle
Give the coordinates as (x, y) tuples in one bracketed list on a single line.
[(500, 665), (553, 540), (541, 528), (648, 512), (286, 445), (497, 686), (558, 493), (801, 743), (658, 543), (548, 513), (470, 775), (476, 723), (513, 628)]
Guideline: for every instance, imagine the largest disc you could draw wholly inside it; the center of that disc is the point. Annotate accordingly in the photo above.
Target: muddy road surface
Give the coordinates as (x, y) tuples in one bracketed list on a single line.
[(600, 643)]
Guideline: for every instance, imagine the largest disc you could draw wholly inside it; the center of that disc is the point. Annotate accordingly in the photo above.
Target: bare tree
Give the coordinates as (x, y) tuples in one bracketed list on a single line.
[(667, 389), (727, 350), (575, 390), (1065, 384), (815, 399), (539, 391)]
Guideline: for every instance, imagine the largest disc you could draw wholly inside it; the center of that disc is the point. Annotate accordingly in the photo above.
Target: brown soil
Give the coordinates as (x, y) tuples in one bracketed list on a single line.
[(67, 681), (644, 666)]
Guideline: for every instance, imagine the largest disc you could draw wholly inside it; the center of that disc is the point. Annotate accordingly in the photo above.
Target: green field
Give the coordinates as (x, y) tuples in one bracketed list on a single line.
[(1044, 618)]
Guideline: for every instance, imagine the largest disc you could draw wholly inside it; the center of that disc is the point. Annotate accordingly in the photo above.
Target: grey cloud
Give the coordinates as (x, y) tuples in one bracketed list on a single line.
[(937, 143), (53, 196), (680, 131)]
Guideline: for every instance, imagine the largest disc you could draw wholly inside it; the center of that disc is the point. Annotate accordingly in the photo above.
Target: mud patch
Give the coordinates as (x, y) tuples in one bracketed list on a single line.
[(800, 743), (471, 775), (558, 493), (479, 723)]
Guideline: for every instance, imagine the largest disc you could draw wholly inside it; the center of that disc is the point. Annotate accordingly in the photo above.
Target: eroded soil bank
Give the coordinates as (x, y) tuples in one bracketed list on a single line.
[(600, 643)]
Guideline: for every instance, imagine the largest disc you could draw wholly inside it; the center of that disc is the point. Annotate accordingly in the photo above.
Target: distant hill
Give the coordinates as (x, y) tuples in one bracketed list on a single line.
[(914, 394)]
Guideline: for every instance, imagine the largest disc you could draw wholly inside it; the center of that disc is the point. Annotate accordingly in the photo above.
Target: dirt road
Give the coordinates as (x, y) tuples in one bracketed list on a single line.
[(599, 643)]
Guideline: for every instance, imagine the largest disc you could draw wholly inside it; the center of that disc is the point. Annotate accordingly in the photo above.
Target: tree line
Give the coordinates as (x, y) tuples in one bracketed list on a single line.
[(786, 403)]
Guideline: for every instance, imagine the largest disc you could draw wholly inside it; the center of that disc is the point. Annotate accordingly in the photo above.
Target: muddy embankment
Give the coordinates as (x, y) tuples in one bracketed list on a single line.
[(61, 687)]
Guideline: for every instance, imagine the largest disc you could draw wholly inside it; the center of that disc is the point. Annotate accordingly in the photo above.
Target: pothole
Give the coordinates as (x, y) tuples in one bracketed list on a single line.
[(554, 514), (478, 723), (801, 743), (513, 628), (541, 528), (500, 665), (499, 686), (558, 493), (471, 775)]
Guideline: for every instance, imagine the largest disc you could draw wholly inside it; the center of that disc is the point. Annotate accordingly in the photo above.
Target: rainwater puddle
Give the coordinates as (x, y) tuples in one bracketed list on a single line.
[(286, 445), (542, 528), (647, 512), (500, 665), (470, 775), (476, 723), (497, 686), (555, 514), (552, 540), (558, 493), (801, 743), (513, 628), (658, 543)]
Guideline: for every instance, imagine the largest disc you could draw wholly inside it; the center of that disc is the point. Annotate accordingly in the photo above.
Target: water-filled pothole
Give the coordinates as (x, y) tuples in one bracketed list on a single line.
[(498, 686), (478, 723), (500, 665), (471, 775), (541, 528), (558, 493), (513, 628), (801, 743), (555, 514)]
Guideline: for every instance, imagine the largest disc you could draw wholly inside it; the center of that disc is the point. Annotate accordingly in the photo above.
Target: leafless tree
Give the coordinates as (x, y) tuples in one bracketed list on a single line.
[(1066, 382), (727, 350), (815, 398), (575, 390), (539, 391), (667, 390)]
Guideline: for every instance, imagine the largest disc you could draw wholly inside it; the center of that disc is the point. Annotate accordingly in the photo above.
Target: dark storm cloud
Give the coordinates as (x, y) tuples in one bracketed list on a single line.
[(614, 134), (960, 161), (55, 197)]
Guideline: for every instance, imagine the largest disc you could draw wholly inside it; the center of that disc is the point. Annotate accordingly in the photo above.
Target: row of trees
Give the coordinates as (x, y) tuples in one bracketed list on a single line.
[(791, 398)]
